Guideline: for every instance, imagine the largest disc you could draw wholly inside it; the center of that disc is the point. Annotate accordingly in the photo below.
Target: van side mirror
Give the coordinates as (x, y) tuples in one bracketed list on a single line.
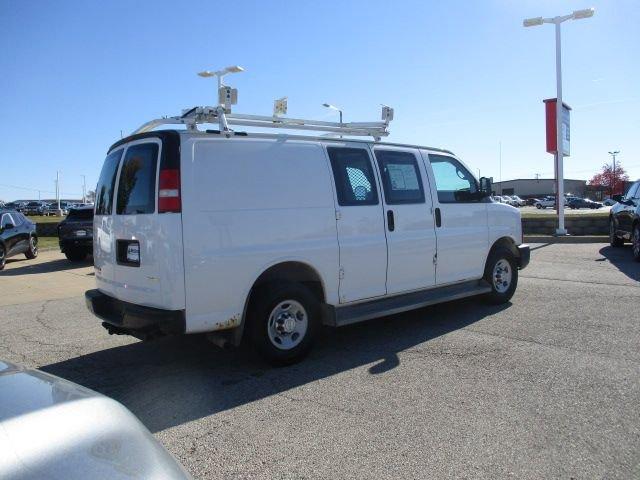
[(485, 187), (617, 198)]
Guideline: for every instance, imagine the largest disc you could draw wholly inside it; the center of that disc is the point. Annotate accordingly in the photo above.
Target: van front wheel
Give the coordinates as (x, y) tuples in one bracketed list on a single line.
[(501, 273), (284, 321)]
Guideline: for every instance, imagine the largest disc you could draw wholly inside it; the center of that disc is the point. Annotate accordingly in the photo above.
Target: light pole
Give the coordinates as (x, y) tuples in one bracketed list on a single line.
[(332, 107), (533, 22), (613, 178), (84, 188)]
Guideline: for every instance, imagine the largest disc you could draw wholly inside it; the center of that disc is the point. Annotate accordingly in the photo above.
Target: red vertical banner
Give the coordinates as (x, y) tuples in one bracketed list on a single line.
[(551, 131)]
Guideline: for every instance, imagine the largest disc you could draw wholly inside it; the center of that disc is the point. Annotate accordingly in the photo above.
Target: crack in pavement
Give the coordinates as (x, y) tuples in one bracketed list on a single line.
[(581, 281)]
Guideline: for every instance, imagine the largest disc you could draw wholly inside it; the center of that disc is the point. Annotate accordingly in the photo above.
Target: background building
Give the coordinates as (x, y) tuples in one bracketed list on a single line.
[(538, 187)]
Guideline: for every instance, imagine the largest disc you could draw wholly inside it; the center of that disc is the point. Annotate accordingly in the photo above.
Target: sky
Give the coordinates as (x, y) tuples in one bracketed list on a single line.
[(462, 75)]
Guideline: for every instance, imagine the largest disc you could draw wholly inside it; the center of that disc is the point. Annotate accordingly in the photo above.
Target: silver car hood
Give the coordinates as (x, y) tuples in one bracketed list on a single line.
[(51, 428)]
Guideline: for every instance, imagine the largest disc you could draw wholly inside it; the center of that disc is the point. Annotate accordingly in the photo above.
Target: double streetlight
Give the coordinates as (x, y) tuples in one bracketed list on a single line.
[(534, 22), (221, 73), (333, 107)]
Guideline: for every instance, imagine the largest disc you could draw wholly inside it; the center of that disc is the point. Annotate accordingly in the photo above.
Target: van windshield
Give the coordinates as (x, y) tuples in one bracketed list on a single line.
[(106, 183)]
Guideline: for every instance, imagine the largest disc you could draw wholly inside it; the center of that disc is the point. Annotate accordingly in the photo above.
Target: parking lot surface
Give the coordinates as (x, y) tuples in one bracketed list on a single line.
[(546, 386)]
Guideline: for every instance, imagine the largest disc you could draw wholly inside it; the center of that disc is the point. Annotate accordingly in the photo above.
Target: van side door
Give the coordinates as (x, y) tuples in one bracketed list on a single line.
[(461, 220), (360, 224), (410, 229)]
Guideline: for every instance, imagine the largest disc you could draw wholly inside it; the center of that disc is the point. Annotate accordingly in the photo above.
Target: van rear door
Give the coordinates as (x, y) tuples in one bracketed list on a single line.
[(140, 256)]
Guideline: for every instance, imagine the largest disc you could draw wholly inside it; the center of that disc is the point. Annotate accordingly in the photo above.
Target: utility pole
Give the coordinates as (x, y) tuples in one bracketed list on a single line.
[(500, 168), (58, 192), (613, 178), (84, 188)]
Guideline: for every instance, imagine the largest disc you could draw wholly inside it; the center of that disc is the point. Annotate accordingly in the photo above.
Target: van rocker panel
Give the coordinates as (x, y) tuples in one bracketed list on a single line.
[(361, 312)]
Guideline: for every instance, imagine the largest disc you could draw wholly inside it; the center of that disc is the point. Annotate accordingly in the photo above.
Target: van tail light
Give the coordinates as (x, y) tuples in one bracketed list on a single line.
[(169, 191)]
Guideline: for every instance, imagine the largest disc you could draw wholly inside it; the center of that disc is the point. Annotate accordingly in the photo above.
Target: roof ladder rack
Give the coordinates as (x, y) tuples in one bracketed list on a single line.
[(227, 96), (198, 115)]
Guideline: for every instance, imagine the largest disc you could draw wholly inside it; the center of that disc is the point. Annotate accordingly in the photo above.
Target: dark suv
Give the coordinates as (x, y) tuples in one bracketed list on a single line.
[(624, 221), (75, 234), (17, 235)]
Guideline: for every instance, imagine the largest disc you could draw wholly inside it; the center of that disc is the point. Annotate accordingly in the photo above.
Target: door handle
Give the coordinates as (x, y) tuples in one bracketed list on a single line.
[(390, 221), (438, 218)]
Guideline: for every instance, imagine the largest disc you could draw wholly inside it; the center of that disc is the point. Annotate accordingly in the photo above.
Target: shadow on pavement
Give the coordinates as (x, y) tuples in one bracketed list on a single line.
[(175, 380), (622, 259), (27, 267)]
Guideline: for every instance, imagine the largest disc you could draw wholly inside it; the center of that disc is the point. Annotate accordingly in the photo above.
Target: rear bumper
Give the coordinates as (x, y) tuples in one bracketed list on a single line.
[(121, 317), (524, 255)]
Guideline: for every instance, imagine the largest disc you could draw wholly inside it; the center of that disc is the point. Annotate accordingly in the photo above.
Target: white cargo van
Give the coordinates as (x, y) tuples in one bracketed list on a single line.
[(270, 236)]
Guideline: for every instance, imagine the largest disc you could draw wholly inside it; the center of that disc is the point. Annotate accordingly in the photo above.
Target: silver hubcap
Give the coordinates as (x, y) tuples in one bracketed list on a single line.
[(288, 323), (33, 245), (501, 276)]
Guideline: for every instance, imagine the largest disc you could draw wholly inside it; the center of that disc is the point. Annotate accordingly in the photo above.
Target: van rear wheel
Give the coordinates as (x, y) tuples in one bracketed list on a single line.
[(284, 320), (501, 273)]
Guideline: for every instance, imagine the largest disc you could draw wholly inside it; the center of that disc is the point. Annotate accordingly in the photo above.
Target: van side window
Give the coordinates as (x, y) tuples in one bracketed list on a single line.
[(454, 183), (353, 174), (137, 185), (106, 183), (400, 177)]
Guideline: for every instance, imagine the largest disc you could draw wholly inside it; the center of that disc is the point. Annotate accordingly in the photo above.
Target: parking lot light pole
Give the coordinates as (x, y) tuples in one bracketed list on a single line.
[(557, 21)]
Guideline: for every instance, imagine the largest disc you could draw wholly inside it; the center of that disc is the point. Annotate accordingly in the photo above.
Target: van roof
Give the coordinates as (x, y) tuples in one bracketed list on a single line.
[(162, 134)]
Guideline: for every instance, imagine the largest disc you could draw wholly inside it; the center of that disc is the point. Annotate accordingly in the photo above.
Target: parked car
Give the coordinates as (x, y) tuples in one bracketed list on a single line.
[(52, 209), (546, 202), (34, 208), (624, 220), (17, 206), (53, 428), (17, 236), (518, 202), (532, 201), (576, 203), (75, 234), (269, 237), (608, 202)]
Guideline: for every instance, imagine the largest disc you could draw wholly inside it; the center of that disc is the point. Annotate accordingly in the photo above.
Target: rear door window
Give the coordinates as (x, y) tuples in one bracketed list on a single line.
[(106, 183), (137, 185)]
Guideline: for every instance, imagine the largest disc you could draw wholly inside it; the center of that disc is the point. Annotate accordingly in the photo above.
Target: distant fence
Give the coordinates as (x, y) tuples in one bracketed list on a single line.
[(575, 225)]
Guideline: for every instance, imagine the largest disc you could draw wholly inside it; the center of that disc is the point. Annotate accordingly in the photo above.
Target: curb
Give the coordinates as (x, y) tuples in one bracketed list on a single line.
[(566, 239)]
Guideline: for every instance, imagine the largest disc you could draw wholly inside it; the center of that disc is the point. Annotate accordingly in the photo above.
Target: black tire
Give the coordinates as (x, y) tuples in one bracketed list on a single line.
[(500, 255), (3, 257), (635, 242), (32, 251), (263, 304), (76, 254), (614, 240), (538, 206)]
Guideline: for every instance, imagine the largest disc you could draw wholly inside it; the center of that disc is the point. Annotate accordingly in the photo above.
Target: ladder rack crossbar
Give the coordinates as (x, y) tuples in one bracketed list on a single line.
[(198, 115)]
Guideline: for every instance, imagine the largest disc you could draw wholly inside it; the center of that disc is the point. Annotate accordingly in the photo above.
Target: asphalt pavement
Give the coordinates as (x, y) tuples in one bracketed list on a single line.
[(547, 386)]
